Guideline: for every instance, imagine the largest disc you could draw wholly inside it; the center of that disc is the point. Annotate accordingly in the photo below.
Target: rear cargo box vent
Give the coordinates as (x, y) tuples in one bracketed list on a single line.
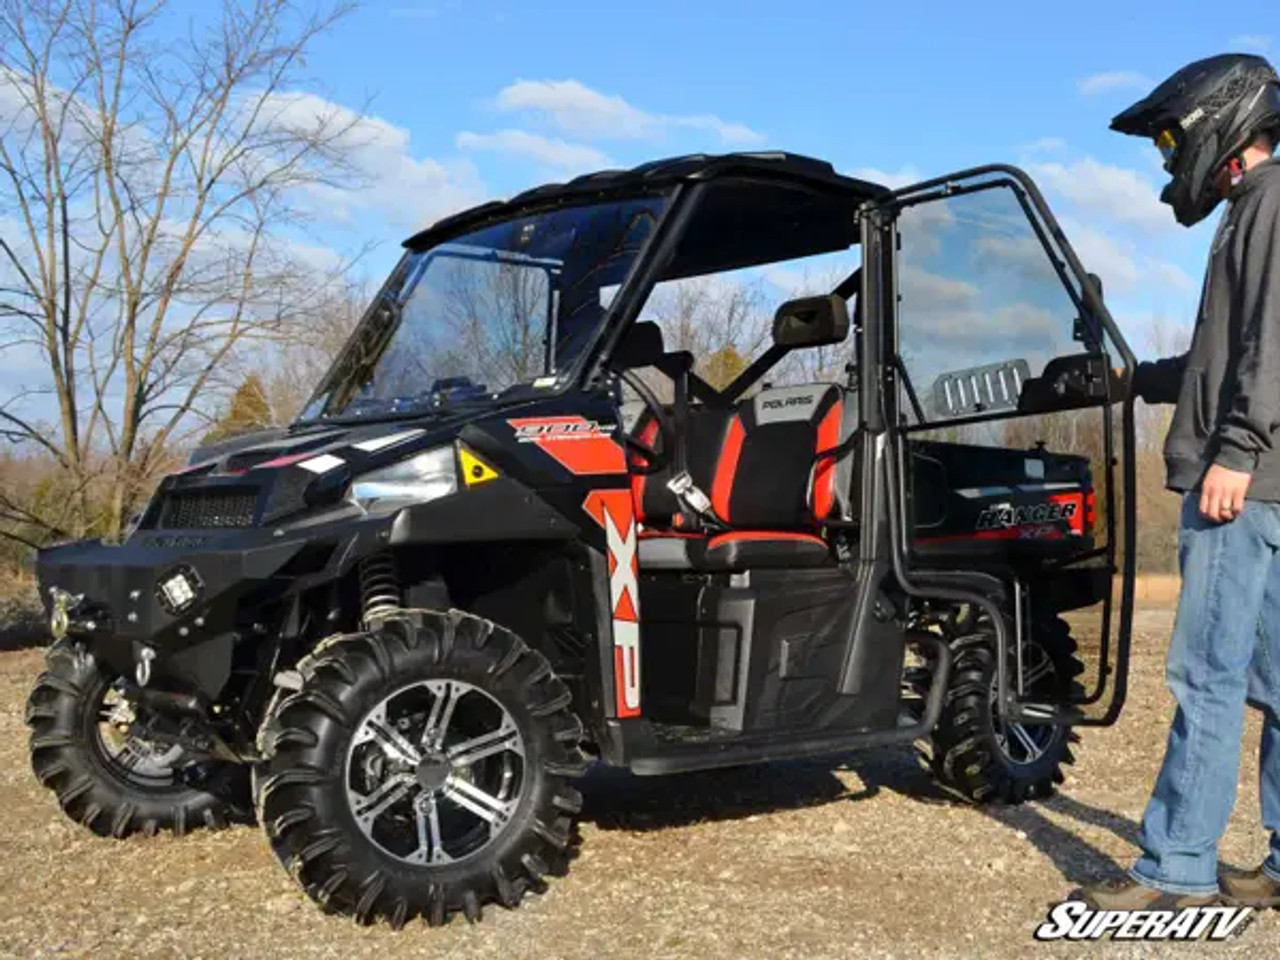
[(207, 509)]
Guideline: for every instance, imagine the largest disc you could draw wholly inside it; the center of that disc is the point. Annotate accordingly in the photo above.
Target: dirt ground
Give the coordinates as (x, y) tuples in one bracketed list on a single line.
[(853, 858)]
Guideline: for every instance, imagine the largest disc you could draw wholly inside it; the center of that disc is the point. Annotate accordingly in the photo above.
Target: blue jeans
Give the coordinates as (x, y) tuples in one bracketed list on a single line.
[(1225, 652)]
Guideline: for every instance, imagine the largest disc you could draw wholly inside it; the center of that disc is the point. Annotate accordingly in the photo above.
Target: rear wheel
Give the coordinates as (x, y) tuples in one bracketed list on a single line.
[(421, 769), (85, 748), (975, 752)]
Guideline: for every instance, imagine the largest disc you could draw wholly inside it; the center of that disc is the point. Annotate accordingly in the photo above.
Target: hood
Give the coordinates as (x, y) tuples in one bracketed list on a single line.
[(264, 477)]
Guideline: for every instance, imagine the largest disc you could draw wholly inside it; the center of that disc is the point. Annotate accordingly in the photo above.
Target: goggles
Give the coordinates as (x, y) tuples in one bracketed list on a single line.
[(1167, 144)]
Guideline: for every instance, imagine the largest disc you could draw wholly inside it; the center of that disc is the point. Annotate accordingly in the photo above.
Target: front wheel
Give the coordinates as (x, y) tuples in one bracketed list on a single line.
[(421, 769), (86, 748)]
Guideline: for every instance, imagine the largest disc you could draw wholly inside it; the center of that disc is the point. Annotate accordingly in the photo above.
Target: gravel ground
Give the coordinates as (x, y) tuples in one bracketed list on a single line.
[(854, 858)]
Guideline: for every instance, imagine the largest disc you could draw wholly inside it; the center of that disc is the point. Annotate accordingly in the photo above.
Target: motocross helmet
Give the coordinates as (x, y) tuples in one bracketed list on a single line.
[(1201, 118)]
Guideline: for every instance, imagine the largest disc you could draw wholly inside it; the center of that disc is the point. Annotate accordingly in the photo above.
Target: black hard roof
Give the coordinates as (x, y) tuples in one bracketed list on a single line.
[(655, 174)]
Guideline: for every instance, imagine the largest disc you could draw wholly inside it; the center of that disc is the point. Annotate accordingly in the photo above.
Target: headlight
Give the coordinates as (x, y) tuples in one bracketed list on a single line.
[(427, 476)]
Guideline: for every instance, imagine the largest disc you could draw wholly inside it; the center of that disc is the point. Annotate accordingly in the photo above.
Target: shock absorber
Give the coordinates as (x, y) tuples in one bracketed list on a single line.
[(379, 586)]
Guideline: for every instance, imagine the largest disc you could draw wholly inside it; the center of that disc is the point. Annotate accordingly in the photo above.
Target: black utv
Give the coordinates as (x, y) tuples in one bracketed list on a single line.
[(570, 495)]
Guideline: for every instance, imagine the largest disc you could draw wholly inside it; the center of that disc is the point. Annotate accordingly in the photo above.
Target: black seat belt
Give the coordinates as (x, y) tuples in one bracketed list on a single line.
[(695, 505)]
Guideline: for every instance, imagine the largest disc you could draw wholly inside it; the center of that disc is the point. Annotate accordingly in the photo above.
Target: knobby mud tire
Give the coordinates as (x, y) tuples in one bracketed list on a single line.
[(67, 756), (300, 788), (964, 753)]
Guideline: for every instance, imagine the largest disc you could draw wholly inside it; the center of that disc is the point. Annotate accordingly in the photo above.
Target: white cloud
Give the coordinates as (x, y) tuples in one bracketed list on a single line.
[(1122, 269), (580, 111), (1114, 80), (561, 154), (1045, 145), (811, 276), (1022, 253), (410, 191), (894, 180), (1169, 275), (928, 292), (1256, 42), (1102, 254), (1117, 192)]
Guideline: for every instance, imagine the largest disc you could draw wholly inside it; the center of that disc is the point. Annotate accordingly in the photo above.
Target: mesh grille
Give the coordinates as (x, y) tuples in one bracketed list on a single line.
[(206, 509)]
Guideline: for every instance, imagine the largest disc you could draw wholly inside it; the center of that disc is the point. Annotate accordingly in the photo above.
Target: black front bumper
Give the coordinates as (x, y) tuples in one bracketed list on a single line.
[(234, 574)]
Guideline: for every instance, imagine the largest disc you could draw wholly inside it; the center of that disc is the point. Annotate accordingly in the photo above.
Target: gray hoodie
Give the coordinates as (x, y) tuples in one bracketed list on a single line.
[(1227, 386)]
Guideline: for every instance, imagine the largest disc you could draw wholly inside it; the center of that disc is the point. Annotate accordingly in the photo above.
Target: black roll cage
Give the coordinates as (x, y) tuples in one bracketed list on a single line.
[(881, 436), (635, 292)]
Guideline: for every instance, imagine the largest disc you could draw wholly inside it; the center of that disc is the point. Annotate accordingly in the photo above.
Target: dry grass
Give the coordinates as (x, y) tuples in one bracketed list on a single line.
[(855, 857), (22, 619), (1157, 589)]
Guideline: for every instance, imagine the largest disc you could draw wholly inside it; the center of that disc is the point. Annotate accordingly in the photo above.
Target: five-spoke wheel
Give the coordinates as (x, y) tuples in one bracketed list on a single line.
[(435, 771), (422, 768)]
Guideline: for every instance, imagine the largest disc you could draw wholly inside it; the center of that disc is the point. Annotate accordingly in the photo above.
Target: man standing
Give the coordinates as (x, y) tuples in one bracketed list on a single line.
[(1215, 122)]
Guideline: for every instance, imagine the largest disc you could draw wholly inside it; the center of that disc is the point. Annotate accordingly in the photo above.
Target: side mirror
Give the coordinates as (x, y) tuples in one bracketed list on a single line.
[(811, 322), (641, 346)]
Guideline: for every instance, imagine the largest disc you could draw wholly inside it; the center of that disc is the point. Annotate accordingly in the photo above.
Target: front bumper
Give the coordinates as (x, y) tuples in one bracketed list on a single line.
[(120, 607)]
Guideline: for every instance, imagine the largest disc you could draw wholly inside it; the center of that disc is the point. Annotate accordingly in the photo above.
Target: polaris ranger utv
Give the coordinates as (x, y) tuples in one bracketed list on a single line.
[(513, 533)]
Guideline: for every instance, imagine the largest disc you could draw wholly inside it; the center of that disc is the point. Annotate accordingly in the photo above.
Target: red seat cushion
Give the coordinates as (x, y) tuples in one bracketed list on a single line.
[(746, 549)]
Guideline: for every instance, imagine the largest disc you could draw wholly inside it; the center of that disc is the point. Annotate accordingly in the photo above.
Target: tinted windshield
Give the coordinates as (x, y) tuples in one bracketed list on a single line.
[(488, 311)]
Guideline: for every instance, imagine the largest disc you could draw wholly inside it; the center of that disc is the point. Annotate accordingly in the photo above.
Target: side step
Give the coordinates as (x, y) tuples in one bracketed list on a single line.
[(768, 746)]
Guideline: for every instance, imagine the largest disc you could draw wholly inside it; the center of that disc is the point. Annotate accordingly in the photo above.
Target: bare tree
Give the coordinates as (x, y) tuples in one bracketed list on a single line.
[(722, 323), (291, 370), (149, 184), (497, 318)]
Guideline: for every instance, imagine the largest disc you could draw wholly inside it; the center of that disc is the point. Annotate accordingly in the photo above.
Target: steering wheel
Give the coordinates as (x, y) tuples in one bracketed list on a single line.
[(655, 459)]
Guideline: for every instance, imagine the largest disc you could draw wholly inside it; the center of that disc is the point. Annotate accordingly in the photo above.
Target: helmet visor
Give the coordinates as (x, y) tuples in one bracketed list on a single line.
[(1167, 144)]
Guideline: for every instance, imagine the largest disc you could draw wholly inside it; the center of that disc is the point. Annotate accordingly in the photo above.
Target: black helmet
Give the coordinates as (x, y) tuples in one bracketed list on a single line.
[(1202, 117)]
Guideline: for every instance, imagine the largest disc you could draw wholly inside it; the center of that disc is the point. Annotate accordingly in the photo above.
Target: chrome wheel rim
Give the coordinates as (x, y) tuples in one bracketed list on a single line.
[(130, 757), (1024, 744), (435, 772)]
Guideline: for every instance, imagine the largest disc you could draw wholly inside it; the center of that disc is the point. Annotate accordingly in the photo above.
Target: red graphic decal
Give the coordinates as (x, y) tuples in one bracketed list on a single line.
[(284, 461), (615, 512), (1034, 532), (579, 445), (1076, 510)]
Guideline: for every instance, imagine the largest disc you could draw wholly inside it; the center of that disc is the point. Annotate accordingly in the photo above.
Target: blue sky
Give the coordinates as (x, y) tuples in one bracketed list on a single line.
[(470, 100)]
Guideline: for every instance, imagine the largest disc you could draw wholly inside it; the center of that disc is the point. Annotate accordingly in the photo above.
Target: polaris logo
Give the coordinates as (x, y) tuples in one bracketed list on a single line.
[(1005, 516), (804, 400)]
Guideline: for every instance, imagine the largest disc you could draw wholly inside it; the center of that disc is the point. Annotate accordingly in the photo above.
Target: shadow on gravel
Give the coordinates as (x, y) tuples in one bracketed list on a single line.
[(1079, 861), (617, 800)]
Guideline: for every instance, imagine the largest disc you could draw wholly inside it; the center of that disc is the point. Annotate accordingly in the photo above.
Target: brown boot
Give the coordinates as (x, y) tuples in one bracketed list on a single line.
[(1132, 895), (1253, 889)]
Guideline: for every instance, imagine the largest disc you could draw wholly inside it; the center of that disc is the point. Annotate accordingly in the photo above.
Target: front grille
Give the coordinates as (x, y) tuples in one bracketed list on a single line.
[(208, 509)]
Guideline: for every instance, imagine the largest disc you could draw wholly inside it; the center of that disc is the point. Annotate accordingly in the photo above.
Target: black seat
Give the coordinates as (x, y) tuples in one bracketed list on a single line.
[(767, 486)]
